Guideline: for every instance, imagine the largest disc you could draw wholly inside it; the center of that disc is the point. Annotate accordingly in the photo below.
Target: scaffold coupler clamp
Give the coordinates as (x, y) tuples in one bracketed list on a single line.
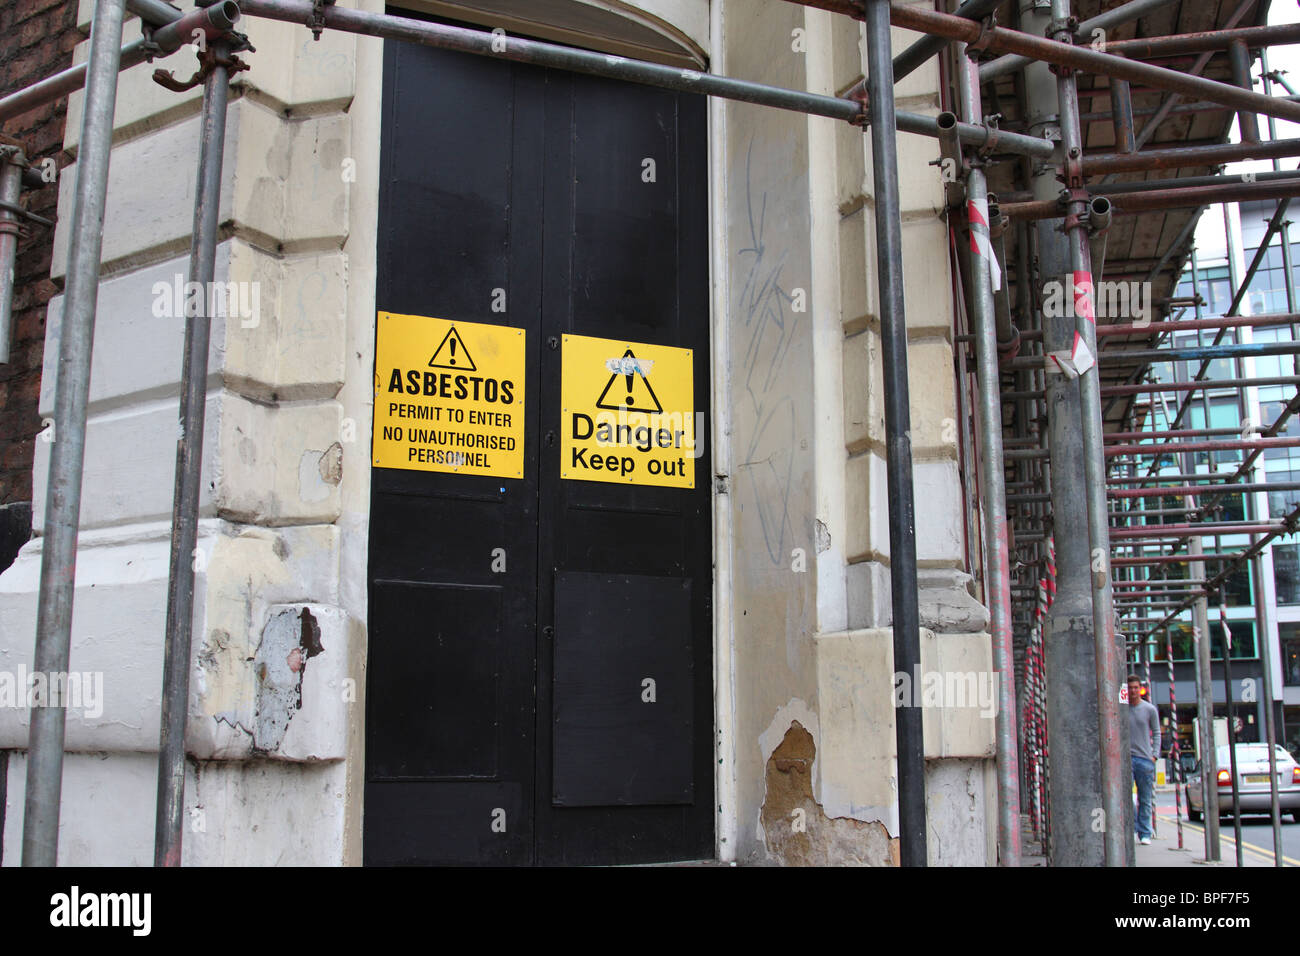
[(1062, 31), (215, 53), (981, 43), (317, 22), (858, 94), (993, 127), (151, 49), (11, 153), (1073, 220), (1072, 170)]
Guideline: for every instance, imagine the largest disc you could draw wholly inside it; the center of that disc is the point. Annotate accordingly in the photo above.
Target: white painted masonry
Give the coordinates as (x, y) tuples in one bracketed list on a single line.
[(269, 781)]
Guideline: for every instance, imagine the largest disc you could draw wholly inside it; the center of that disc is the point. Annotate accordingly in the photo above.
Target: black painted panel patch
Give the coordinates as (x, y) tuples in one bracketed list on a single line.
[(622, 703), (433, 691)]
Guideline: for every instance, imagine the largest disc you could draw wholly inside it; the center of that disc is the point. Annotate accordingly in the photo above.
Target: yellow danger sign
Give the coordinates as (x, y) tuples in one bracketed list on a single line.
[(449, 396), (628, 413)]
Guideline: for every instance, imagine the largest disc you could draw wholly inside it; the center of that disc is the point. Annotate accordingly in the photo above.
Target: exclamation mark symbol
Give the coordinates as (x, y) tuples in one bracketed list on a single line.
[(631, 401), (452, 342)]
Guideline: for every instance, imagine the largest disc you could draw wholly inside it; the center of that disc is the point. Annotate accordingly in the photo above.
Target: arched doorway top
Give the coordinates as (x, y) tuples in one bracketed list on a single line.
[(674, 32)]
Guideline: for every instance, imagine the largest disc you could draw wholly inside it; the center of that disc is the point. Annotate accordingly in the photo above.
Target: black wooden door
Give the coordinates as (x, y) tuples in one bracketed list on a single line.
[(515, 622)]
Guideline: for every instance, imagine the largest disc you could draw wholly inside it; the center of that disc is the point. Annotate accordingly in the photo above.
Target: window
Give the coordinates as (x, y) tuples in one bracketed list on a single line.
[(1284, 501), (1273, 366), (1225, 412), (1286, 573), (1291, 661), (1180, 637), (1237, 591), (1267, 292), (1269, 412)]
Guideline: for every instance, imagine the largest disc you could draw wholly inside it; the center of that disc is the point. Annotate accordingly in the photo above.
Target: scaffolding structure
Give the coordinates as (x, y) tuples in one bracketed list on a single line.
[(1063, 423)]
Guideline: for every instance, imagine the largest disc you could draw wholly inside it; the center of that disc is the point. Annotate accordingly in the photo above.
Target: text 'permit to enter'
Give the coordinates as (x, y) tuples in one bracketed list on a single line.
[(449, 396)]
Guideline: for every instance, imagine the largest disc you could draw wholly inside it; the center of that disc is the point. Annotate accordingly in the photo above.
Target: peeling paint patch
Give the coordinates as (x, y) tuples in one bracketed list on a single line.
[(289, 640), (331, 464), (629, 365), (823, 537), (796, 830)]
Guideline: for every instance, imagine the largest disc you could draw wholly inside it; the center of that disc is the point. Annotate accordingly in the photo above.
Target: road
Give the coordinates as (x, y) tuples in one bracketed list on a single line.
[(1256, 834)]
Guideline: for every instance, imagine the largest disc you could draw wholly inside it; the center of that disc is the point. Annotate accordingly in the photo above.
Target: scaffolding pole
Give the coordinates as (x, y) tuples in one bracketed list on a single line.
[(12, 164), (997, 562), (168, 825), (67, 455), (1070, 646), (902, 514), (1109, 663)]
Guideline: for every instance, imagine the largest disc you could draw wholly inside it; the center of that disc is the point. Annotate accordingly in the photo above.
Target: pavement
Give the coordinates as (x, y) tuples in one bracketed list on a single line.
[(1164, 851), (1256, 847)]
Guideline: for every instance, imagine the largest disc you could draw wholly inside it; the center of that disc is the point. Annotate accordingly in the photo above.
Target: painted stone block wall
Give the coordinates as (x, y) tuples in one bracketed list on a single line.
[(813, 650), (275, 682)]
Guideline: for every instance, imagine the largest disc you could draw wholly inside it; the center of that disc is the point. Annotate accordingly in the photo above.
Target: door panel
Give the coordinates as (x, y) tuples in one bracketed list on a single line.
[(512, 621), (627, 259), (452, 650), (624, 733), (447, 671)]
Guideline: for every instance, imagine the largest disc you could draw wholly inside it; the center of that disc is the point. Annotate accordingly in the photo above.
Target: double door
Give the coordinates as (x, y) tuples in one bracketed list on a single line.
[(539, 676)]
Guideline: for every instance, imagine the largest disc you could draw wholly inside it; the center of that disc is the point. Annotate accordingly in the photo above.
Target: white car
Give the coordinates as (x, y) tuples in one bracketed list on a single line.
[(1252, 783)]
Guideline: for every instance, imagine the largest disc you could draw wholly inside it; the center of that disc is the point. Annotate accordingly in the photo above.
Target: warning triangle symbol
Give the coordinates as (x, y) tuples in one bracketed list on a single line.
[(631, 390), (453, 354)]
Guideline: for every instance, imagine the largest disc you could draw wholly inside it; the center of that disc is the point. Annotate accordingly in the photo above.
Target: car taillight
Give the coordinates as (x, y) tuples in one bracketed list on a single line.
[(1225, 778), (1295, 774)]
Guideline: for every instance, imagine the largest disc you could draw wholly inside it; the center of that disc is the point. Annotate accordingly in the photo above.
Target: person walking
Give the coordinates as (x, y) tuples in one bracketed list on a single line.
[(1144, 732)]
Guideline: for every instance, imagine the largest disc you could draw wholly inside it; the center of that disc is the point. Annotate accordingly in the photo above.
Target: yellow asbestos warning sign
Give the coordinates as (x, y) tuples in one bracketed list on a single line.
[(628, 413), (449, 396)]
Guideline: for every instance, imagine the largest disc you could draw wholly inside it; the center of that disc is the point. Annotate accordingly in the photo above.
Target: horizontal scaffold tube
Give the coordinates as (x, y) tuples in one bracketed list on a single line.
[(1124, 13), (1205, 41), (1085, 59), (1180, 197), (1166, 448), (177, 32), (1180, 531), (517, 49), (1181, 157), (1180, 491)]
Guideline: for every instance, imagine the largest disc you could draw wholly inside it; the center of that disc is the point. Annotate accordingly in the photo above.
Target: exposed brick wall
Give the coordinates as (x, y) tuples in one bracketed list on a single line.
[(36, 39)]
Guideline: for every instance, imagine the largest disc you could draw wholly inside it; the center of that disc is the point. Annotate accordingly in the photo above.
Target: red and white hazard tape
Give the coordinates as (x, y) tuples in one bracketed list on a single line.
[(980, 243), (1080, 358)]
